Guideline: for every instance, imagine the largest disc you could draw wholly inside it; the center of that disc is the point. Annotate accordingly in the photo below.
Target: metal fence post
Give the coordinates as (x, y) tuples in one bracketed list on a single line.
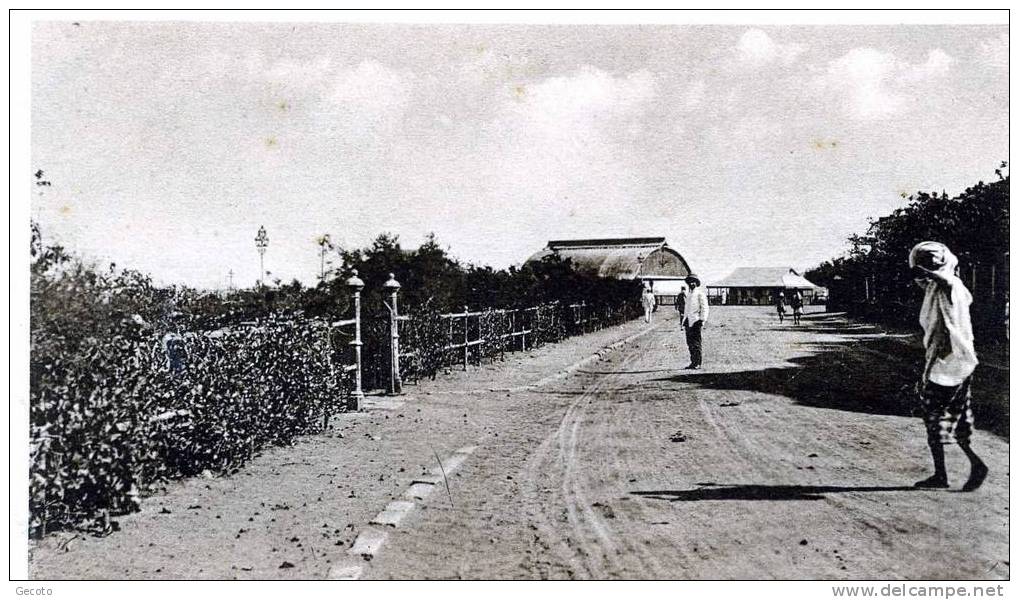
[(523, 336), (357, 396), (395, 383), (467, 348), (449, 355)]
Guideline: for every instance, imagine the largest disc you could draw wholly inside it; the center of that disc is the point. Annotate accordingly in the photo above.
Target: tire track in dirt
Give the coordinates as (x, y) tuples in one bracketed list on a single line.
[(591, 548), (595, 417), (618, 420)]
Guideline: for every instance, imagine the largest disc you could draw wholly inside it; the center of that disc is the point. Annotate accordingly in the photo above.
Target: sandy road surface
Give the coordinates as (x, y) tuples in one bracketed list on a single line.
[(793, 458), (790, 455)]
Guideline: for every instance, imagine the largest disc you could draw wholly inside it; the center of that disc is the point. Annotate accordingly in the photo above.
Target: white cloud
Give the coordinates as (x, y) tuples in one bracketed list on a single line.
[(938, 64), (756, 48), (589, 93), (994, 52), (874, 85), (372, 91)]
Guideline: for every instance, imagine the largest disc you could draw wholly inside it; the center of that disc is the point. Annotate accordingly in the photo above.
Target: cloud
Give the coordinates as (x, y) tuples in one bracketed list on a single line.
[(589, 94), (875, 85), (938, 64), (756, 48), (372, 91), (994, 52)]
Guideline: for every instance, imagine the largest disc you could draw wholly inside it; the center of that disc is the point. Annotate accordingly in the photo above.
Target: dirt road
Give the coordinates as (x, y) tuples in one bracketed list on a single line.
[(788, 456), (791, 455)]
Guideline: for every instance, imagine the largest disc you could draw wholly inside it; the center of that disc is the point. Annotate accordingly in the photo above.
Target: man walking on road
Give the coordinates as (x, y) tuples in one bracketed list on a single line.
[(647, 299), (694, 317), (944, 386), (797, 304)]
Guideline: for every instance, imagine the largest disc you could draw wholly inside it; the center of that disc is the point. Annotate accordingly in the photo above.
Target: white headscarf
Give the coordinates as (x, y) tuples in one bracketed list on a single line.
[(944, 316)]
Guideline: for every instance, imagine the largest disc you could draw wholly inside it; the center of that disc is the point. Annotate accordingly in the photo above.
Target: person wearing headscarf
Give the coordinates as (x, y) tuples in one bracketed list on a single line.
[(694, 317), (949, 361)]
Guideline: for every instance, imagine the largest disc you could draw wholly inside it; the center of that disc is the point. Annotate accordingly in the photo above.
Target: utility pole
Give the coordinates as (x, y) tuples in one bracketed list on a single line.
[(261, 243), (325, 244)]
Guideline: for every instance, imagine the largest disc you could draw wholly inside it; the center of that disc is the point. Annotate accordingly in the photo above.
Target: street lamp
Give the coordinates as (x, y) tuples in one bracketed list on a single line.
[(395, 383), (261, 243)]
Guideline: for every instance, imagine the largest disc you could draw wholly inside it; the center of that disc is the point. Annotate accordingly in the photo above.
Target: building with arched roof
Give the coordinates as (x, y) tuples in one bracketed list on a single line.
[(648, 259)]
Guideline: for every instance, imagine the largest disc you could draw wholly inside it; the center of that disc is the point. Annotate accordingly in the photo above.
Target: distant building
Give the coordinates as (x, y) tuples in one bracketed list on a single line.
[(761, 285), (648, 259)]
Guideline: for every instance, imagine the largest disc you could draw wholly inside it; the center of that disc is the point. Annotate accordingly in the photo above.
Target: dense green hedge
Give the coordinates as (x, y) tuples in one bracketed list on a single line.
[(123, 397), (127, 412)]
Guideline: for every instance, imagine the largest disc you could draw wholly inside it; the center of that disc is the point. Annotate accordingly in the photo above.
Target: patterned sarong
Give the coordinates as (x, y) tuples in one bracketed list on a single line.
[(947, 413)]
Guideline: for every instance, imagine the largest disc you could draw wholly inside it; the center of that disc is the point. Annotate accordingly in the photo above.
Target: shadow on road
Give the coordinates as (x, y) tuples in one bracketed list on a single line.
[(716, 491), (624, 372), (858, 373)]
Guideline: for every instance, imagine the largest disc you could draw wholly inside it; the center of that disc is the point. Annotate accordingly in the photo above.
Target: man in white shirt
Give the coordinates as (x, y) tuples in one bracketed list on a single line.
[(694, 317)]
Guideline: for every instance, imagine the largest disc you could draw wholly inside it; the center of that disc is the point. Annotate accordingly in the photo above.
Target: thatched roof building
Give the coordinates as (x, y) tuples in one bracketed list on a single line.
[(644, 258)]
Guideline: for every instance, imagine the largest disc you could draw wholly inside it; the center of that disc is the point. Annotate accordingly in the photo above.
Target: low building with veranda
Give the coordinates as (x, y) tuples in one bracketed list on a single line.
[(761, 286)]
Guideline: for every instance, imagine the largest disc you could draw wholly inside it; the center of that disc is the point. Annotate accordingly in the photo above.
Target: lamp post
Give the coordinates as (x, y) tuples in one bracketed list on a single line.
[(357, 396), (261, 243), (395, 383)]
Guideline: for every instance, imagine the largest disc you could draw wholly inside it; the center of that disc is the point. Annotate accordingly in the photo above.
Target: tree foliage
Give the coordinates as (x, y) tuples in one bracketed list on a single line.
[(873, 277)]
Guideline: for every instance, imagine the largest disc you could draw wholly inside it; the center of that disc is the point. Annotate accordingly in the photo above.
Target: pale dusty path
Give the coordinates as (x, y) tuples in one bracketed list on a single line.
[(795, 464), (791, 468)]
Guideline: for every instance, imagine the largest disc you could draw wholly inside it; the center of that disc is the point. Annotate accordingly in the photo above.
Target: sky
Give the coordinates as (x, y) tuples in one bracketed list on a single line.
[(167, 145)]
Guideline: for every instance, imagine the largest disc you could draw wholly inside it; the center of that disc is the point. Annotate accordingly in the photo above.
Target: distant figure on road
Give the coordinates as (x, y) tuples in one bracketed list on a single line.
[(694, 317), (681, 301), (797, 303), (647, 299), (944, 386), (780, 306)]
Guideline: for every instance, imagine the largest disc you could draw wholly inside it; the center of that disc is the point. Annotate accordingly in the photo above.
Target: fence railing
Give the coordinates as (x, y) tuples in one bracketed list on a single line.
[(381, 351), (407, 347)]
